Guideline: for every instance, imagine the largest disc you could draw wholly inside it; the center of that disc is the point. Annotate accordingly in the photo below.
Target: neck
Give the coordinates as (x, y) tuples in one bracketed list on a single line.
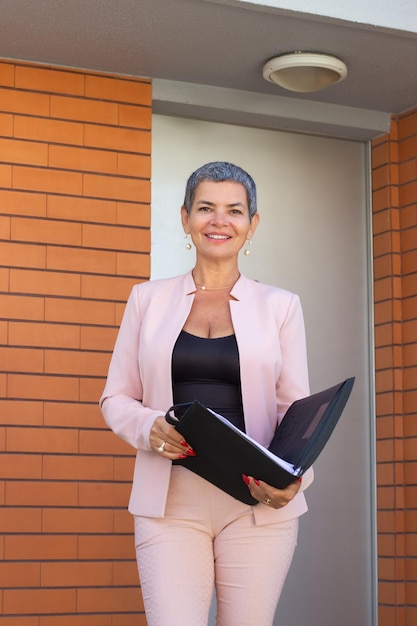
[(215, 283)]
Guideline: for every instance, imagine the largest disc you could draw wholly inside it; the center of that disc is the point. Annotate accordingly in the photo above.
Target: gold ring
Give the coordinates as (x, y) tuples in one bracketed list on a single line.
[(267, 501), (161, 447)]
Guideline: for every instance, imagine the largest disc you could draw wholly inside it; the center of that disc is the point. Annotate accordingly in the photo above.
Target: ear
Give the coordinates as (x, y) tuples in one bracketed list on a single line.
[(253, 225), (184, 220)]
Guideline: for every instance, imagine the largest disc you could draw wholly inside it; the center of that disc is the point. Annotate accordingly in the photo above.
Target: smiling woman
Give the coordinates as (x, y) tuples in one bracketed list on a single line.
[(237, 346)]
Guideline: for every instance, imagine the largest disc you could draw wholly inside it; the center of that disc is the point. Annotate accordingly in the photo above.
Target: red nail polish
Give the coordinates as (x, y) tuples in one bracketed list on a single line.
[(300, 479), (184, 444), (182, 456), (190, 452), (257, 482), (245, 479)]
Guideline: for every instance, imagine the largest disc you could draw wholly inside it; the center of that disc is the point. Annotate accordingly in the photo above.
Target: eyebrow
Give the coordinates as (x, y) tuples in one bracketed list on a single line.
[(232, 204)]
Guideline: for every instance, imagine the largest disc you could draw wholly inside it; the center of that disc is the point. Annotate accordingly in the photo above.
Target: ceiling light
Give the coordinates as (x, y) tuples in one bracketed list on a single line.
[(304, 71)]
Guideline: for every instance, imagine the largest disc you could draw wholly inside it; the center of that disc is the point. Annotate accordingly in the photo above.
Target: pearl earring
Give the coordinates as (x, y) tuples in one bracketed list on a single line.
[(188, 246), (248, 243)]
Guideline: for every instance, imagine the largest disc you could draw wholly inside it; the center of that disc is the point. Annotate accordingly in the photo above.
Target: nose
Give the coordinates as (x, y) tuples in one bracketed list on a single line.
[(219, 217)]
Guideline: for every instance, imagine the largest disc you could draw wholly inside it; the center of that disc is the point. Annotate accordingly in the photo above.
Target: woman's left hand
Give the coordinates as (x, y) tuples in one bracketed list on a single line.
[(275, 498)]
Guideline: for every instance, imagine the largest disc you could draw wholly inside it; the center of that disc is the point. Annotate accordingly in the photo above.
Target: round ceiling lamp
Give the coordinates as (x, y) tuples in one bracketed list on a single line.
[(304, 72)]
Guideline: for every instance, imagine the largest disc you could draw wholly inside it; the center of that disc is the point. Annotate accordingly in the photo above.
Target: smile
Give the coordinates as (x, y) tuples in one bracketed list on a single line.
[(220, 237)]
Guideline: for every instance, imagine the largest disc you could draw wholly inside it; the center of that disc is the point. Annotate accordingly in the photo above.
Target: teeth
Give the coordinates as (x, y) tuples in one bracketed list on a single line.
[(218, 236)]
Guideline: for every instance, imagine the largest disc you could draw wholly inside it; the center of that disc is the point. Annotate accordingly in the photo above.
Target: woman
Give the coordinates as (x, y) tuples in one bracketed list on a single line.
[(237, 346)]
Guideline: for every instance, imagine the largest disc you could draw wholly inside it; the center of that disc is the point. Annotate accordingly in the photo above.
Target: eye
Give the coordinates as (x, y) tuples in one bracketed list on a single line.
[(204, 208), (236, 212)]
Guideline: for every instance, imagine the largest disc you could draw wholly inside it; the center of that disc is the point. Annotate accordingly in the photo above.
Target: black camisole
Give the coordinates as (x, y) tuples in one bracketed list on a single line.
[(208, 370)]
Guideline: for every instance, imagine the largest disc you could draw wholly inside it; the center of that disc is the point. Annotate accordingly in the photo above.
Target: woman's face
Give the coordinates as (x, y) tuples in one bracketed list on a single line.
[(219, 222)]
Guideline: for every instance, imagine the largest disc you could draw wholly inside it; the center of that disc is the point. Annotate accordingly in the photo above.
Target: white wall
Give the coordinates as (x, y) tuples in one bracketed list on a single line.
[(313, 240)]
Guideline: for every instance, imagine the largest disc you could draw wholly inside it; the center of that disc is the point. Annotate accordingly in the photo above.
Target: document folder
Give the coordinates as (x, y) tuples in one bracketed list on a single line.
[(224, 453)]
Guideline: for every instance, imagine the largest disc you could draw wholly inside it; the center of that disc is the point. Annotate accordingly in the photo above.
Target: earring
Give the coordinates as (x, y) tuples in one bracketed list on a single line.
[(188, 246), (246, 252)]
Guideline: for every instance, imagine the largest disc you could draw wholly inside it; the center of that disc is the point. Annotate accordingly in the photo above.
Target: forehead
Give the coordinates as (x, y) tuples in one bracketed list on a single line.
[(227, 192)]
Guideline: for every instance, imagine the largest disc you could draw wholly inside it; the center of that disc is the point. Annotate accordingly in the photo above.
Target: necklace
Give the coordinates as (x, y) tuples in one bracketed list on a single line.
[(204, 288)]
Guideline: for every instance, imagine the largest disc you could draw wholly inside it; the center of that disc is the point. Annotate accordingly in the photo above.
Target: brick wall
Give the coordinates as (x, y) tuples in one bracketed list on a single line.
[(395, 266), (74, 237)]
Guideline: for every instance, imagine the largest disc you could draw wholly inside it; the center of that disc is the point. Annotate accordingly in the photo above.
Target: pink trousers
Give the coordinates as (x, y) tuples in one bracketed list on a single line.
[(207, 539)]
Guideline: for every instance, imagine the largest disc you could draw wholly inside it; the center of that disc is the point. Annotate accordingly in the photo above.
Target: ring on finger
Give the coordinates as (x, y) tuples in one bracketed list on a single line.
[(267, 501), (161, 447)]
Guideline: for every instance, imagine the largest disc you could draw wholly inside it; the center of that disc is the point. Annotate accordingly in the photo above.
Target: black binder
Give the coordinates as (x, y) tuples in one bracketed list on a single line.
[(224, 453)]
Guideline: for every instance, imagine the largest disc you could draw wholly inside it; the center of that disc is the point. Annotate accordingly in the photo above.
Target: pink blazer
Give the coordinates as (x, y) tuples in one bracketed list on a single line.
[(269, 328)]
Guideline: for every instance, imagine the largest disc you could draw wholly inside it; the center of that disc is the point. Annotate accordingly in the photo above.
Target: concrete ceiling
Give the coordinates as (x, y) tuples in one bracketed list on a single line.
[(210, 42)]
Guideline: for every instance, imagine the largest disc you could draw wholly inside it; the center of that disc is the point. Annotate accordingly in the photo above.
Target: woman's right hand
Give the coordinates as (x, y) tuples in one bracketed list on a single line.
[(166, 441)]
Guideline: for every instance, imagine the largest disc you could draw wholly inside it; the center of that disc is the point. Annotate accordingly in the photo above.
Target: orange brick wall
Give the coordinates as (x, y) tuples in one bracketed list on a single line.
[(74, 237), (395, 268)]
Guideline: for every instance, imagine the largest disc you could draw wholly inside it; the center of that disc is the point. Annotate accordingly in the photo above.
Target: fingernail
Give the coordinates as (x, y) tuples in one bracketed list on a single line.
[(182, 456), (257, 482), (245, 479), (184, 444), (300, 479), (190, 452)]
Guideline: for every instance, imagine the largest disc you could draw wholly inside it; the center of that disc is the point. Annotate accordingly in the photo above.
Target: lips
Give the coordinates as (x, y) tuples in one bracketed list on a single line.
[(218, 237)]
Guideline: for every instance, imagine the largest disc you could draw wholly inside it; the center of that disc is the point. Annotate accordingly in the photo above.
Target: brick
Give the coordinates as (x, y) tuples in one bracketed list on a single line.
[(41, 493), (42, 387), (46, 231), (20, 520), (79, 311), (79, 620), (22, 255), (40, 601), (20, 466), (21, 360), (84, 110), (5, 226), (45, 283), (83, 159), (116, 238), (49, 80), (408, 149), (48, 130), (22, 203), (116, 188), (91, 389), (72, 415), (105, 494), (40, 547), (19, 575), (7, 71), (82, 209), (133, 264), (118, 89), (3, 327), (44, 335), (127, 619), (27, 152), (5, 175), (78, 574), (78, 467), (42, 440), (133, 214), (99, 547), (407, 125), (47, 180), (123, 522), (21, 307), (19, 621), (13, 101), (98, 338), (6, 124), (75, 363), (123, 467), (21, 412), (134, 165), (407, 171), (77, 520), (103, 442), (125, 573), (121, 139), (135, 116), (107, 600), (81, 260)]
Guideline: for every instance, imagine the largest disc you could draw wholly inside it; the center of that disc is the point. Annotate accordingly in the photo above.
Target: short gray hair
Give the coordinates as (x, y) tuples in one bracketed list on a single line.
[(219, 172)]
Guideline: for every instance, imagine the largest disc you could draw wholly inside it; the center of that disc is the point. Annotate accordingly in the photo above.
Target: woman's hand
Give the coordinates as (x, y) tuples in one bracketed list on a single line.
[(275, 498), (167, 442)]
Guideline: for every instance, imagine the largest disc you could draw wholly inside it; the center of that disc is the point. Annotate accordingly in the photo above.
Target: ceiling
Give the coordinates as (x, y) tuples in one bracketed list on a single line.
[(209, 42)]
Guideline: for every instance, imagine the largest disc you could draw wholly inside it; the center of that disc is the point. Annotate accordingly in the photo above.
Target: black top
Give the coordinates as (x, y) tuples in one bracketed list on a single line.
[(208, 370)]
